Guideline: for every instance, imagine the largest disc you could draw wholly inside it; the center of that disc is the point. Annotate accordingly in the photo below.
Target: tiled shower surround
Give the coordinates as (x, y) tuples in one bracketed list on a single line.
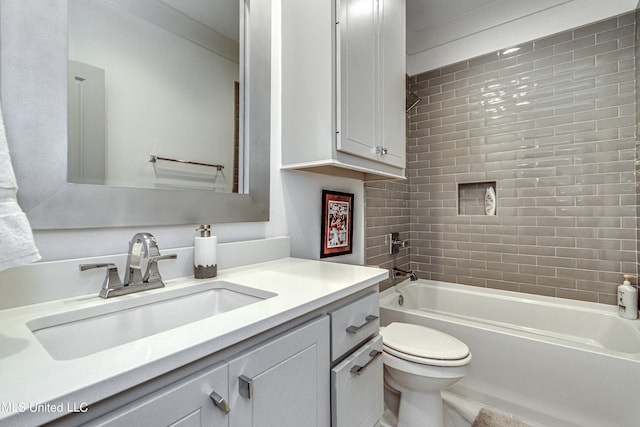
[(553, 123)]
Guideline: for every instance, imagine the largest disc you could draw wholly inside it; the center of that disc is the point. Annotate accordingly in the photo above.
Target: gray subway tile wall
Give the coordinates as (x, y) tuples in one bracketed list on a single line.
[(386, 211), (553, 123)]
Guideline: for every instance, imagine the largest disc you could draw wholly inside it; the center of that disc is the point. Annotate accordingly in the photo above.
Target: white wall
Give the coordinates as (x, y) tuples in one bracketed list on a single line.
[(492, 29), (295, 205)]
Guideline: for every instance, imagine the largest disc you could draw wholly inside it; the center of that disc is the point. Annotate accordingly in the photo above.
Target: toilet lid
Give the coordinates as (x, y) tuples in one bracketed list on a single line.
[(421, 342)]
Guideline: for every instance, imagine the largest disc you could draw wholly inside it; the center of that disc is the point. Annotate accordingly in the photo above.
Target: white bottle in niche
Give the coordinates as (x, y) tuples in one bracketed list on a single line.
[(490, 201), (627, 299), (205, 254)]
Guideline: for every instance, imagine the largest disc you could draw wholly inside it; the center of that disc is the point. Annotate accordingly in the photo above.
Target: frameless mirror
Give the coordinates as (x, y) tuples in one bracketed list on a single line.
[(154, 94), (35, 81)]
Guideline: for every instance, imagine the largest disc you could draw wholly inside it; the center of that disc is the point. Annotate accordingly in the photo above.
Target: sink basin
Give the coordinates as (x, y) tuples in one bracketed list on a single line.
[(77, 333)]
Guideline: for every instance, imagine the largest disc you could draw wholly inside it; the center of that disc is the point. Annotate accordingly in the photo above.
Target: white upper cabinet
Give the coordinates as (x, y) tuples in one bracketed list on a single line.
[(343, 87), (371, 79)]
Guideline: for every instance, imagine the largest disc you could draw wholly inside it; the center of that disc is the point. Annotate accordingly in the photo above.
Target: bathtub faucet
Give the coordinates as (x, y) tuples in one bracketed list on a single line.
[(397, 272)]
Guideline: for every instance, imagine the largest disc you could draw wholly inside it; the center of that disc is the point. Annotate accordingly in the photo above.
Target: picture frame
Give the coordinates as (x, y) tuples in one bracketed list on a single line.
[(337, 224)]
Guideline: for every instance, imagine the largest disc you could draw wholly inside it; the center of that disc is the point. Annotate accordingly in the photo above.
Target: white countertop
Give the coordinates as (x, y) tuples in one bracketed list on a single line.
[(30, 376)]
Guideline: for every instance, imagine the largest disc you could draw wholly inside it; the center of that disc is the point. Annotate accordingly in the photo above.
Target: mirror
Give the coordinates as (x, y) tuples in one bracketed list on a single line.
[(154, 93), (35, 98)]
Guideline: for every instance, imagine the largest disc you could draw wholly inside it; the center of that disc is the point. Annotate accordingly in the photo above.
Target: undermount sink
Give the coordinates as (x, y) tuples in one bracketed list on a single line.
[(77, 333)]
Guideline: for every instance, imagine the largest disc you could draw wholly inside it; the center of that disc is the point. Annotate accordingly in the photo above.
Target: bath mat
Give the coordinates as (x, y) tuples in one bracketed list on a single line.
[(488, 418)]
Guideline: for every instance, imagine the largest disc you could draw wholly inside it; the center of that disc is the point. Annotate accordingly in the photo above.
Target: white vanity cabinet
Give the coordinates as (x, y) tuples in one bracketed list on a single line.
[(357, 397), (188, 403), (282, 382), (267, 363), (324, 372), (343, 87), (357, 370)]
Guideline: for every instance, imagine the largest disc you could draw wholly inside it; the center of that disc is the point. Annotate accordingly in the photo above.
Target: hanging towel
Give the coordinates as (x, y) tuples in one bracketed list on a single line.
[(16, 238)]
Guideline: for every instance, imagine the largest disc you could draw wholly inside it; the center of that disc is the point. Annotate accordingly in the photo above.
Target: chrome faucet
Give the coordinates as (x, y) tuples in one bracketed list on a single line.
[(399, 272), (142, 268)]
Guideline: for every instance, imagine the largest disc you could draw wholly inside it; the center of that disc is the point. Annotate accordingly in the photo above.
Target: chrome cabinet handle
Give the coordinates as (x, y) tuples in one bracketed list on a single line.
[(245, 386), (381, 150), (359, 370), (220, 402), (355, 329)]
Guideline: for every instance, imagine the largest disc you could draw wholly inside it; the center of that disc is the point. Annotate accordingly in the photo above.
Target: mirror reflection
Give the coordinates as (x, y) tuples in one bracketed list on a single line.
[(154, 94)]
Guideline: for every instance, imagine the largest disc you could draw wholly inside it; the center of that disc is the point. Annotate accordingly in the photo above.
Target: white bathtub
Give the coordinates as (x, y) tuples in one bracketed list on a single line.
[(553, 361)]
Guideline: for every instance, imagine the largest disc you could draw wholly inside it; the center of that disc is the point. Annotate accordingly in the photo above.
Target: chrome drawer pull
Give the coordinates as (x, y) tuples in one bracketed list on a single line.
[(355, 329), (245, 386), (359, 370), (220, 402)]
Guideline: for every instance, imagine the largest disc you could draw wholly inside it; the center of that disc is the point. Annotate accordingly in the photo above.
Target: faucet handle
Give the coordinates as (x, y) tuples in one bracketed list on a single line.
[(153, 274), (111, 280)]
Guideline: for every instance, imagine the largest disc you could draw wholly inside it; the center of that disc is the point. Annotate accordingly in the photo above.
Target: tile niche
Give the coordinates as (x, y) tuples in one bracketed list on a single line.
[(471, 197)]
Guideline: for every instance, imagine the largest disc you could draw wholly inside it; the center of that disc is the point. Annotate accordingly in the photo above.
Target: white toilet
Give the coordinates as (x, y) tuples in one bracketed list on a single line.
[(419, 362)]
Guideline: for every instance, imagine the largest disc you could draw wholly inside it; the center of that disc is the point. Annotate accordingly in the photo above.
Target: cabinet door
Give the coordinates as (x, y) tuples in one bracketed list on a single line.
[(393, 81), (188, 403), (357, 59), (371, 83), (284, 382)]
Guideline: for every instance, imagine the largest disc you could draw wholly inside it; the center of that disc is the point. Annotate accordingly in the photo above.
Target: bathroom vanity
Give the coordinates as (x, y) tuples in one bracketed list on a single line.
[(264, 358), (281, 381)]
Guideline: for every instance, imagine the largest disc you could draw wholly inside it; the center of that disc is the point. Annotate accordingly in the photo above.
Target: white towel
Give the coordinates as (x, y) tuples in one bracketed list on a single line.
[(16, 238)]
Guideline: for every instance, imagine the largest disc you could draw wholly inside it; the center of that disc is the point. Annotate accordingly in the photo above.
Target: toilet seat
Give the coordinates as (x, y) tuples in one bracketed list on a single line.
[(420, 344)]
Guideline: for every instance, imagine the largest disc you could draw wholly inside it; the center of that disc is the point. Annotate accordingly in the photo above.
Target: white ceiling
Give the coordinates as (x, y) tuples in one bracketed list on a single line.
[(223, 17), (442, 32), (431, 23), (422, 14)]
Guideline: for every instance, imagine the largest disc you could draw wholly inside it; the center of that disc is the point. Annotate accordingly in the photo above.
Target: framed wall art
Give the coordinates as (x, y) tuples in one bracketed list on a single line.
[(337, 224)]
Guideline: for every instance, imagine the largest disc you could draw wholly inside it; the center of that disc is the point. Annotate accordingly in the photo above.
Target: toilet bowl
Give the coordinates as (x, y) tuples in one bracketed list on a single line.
[(419, 363)]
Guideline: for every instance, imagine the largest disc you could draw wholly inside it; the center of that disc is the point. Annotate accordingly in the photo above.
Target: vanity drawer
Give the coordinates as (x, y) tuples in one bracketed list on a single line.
[(353, 323), (357, 397)]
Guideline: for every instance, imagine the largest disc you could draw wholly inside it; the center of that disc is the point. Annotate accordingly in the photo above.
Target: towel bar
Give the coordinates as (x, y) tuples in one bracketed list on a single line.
[(153, 158)]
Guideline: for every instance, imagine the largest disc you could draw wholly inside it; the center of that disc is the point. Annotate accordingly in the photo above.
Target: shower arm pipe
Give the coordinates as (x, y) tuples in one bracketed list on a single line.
[(416, 102), (413, 105)]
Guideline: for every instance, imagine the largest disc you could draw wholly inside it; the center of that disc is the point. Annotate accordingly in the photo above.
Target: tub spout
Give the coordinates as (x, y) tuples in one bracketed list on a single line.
[(397, 272)]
